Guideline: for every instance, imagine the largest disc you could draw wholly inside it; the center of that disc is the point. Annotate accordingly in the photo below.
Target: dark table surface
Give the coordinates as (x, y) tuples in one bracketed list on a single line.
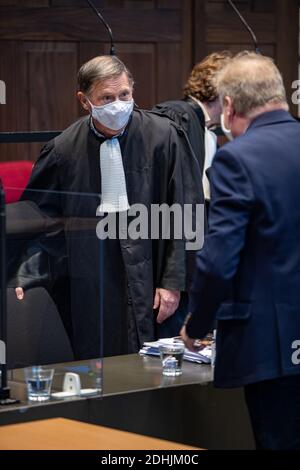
[(138, 398), (121, 374)]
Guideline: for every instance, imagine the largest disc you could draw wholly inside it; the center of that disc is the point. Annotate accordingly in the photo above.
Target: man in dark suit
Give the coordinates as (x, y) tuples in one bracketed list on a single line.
[(248, 273)]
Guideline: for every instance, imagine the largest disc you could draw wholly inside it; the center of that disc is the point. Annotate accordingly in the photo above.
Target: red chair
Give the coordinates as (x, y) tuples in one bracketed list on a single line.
[(35, 330), (15, 176)]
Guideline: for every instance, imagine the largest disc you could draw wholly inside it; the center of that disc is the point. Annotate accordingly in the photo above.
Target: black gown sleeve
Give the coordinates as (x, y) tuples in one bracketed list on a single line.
[(43, 187)]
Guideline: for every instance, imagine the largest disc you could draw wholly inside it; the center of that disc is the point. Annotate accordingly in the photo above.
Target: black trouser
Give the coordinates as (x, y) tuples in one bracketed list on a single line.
[(274, 408)]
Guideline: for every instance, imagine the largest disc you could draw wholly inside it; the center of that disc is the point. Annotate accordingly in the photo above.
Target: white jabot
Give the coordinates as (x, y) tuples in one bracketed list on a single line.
[(113, 183)]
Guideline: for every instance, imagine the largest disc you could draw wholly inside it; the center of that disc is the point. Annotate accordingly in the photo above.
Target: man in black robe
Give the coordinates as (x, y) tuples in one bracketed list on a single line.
[(198, 112), (129, 277)]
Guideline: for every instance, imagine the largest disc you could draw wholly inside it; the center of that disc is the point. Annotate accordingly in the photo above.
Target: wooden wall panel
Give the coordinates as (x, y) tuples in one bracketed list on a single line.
[(153, 37), (169, 79), (81, 24), (52, 69), (26, 4), (275, 23), (44, 42), (287, 56), (224, 26), (105, 4), (14, 115)]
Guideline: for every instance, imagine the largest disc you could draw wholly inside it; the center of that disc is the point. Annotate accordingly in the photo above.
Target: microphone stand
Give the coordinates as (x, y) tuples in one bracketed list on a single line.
[(104, 22), (4, 390), (249, 29)]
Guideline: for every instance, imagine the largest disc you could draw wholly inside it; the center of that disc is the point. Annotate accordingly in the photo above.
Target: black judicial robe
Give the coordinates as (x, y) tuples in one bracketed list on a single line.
[(66, 183), (188, 115)]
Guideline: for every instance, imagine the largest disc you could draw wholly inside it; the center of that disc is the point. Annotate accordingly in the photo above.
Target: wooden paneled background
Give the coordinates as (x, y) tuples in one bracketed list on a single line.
[(43, 43)]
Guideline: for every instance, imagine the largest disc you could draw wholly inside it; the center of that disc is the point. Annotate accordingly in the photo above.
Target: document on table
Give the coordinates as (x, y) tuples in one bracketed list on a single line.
[(201, 357)]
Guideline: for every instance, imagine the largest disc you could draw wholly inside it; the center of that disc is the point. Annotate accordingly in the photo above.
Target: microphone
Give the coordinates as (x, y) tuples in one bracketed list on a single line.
[(249, 29), (112, 45)]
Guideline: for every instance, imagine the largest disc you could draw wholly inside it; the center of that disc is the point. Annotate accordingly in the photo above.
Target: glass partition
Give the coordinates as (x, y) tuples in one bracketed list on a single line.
[(55, 296)]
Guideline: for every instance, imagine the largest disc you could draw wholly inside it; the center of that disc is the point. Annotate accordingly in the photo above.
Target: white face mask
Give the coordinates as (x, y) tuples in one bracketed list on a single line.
[(113, 115), (226, 131)]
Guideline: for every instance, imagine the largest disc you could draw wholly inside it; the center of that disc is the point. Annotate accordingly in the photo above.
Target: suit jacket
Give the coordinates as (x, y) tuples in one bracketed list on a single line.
[(248, 273)]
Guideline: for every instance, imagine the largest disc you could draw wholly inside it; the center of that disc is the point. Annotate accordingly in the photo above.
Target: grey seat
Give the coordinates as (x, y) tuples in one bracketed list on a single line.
[(35, 331)]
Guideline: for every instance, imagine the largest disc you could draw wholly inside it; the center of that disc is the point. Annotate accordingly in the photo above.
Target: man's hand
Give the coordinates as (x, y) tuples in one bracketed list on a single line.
[(167, 301), (19, 293), (190, 343)]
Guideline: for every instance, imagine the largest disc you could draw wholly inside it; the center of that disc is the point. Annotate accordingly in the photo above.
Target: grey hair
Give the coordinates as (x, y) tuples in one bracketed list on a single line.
[(103, 67), (251, 81)]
